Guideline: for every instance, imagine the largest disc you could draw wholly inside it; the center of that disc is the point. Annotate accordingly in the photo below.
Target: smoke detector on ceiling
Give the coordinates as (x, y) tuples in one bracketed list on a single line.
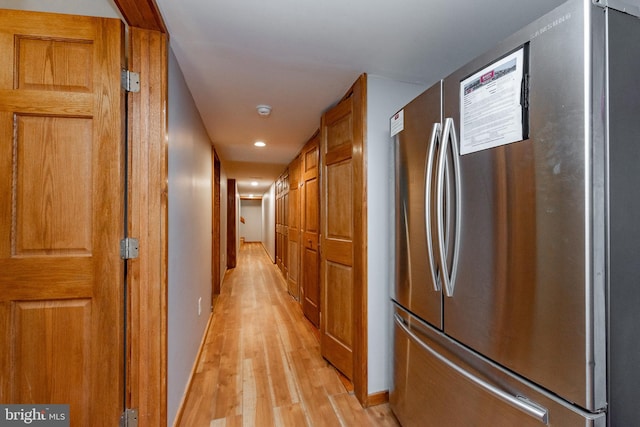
[(264, 110)]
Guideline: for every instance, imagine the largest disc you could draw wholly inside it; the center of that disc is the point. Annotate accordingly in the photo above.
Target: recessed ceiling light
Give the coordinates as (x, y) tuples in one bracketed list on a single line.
[(254, 183), (259, 144), (264, 110)]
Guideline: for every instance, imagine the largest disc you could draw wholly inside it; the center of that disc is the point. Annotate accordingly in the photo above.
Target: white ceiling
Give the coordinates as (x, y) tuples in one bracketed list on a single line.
[(301, 56)]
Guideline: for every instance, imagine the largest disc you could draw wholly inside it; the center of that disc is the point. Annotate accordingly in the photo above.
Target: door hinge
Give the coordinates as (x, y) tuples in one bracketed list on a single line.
[(129, 418), (130, 81), (129, 248)]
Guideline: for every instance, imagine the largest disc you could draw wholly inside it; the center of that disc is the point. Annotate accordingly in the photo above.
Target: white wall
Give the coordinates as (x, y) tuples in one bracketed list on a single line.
[(269, 222), (190, 188), (384, 98), (251, 211)]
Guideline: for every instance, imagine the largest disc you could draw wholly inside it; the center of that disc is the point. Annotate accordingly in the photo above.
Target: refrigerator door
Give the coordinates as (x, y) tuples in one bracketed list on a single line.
[(440, 383), (417, 286), (527, 284)]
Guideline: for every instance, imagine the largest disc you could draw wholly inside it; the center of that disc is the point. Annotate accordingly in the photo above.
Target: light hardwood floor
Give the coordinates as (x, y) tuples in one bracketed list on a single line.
[(261, 363)]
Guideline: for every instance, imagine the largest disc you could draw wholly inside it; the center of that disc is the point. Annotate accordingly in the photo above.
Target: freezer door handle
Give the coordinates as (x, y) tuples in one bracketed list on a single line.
[(449, 138), (433, 142), (519, 402)]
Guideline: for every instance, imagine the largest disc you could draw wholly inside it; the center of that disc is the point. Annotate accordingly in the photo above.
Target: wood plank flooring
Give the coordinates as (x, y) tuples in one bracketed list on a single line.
[(261, 363)]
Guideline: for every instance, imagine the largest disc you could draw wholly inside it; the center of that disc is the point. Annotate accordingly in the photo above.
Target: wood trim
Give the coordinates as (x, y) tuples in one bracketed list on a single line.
[(194, 369), (143, 14), (147, 220), (379, 398), (360, 347)]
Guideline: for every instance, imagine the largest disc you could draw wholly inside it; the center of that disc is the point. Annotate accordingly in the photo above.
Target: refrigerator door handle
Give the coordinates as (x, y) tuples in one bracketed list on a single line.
[(519, 402), (433, 142), (448, 138)]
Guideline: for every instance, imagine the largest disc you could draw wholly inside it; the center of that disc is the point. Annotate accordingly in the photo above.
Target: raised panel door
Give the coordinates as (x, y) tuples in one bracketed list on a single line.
[(337, 272), (293, 279), (311, 230), (62, 214)]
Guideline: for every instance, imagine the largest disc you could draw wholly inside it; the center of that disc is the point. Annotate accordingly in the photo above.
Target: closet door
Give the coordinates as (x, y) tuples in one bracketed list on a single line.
[(343, 325), (310, 228), (293, 279), (62, 214)]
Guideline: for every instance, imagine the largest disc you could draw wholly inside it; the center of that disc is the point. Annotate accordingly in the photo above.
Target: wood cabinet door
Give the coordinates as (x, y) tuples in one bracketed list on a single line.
[(62, 214), (310, 227)]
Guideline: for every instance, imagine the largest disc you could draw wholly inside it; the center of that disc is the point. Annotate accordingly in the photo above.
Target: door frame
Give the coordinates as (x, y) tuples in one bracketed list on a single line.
[(147, 212)]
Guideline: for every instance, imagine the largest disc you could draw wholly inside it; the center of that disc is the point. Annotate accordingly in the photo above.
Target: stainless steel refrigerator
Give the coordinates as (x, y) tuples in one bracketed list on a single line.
[(517, 293)]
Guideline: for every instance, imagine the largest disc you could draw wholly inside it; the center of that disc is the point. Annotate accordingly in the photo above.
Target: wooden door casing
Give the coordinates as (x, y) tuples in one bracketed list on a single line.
[(62, 213), (147, 220), (343, 326), (310, 229)]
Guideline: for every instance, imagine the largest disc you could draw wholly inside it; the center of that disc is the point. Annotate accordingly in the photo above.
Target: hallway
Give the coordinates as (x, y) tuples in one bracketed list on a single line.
[(261, 363)]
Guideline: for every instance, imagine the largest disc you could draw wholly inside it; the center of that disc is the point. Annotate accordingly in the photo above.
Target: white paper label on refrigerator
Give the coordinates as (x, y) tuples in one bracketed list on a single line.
[(397, 123), (490, 105)]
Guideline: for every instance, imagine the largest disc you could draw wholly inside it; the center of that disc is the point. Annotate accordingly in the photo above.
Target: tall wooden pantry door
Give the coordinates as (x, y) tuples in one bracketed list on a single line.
[(336, 329), (62, 214), (293, 276), (342, 257), (310, 162)]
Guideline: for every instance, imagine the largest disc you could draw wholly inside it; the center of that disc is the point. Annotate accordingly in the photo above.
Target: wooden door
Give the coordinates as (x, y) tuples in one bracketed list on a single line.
[(343, 319), (293, 279), (310, 230), (62, 214), (282, 218), (279, 220), (232, 203), (216, 227), (285, 228)]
